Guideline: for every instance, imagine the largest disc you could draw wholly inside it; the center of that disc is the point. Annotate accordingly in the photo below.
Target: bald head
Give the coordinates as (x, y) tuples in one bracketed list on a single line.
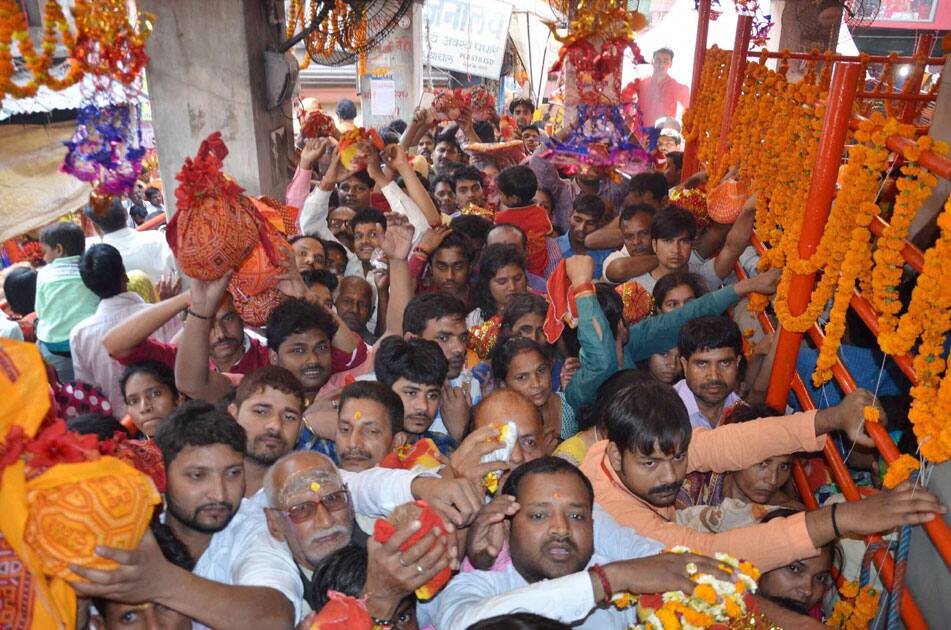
[(295, 471), (506, 405)]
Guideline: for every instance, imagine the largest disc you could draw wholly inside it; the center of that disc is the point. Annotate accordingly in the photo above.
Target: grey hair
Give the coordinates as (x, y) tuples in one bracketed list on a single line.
[(274, 494)]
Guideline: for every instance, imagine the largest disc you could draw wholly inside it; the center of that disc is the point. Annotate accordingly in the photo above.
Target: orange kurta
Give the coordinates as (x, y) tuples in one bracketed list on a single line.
[(727, 448)]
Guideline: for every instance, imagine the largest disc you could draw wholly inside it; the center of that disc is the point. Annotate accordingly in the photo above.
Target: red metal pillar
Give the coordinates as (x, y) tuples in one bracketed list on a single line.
[(741, 46), (923, 46), (821, 191), (699, 56)]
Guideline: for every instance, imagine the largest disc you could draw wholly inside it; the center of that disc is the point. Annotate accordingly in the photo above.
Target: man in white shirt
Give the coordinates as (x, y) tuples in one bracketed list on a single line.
[(710, 349), (146, 251), (555, 571), (103, 273), (242, 579)]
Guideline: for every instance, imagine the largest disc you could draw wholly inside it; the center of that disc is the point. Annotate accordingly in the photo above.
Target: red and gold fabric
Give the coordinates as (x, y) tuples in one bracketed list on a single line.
[(484, 336), (73, 508), (215, 228), (422, 456), (637, 301)]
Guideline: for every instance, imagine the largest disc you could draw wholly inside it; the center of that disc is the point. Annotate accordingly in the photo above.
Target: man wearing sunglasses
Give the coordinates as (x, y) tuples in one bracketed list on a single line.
[(312, 511)]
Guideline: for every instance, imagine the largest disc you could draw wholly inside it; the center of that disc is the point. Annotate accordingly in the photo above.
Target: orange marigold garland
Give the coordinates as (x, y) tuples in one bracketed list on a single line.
[(702, 118), (713, 602), (900, 469), (13, 28), (856, 608), (929, 316)]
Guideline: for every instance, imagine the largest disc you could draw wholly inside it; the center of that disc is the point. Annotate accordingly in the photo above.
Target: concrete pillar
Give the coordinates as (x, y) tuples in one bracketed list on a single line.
[(923, 229), (398, 58), (206, 73)]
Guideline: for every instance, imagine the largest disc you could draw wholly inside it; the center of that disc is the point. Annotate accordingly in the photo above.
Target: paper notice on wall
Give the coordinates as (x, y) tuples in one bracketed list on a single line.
[(383, 97)]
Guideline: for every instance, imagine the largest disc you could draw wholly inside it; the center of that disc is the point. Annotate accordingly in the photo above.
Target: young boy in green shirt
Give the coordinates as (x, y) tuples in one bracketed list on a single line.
[(62, 300)]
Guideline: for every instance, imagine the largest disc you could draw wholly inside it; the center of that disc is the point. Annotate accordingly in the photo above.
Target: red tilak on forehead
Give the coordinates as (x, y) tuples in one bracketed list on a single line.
[(556, 495)]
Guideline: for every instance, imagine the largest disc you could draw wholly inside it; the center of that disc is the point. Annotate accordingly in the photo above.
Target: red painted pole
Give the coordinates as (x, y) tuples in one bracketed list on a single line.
[(741, 44), (922, 49), (699, 56), (821, 190)]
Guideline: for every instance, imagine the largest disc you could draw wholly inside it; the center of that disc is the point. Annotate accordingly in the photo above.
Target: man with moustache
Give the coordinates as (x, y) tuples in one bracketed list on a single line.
[(710, 350), (556, 570), (242, 577), (268, 405), (487, 540), (650, 447), (370, 415), (355, 306), (310, 509)]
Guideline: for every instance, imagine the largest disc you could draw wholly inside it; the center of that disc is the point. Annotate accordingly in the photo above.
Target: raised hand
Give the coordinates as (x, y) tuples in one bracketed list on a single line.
[(764, 283), (140, 577), (455, 408), (290, 282), (464, 462), (579, 269), (395, 158), (568, 370), (888, 509), (206, 295), (457, 499), (489, 531), (659, 574), (393, 574), (168, 286), (398, 240), (314, 149), (433, 238)]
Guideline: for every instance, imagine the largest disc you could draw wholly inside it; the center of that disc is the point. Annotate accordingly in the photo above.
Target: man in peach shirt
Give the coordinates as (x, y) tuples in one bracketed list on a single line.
[(638, 470)]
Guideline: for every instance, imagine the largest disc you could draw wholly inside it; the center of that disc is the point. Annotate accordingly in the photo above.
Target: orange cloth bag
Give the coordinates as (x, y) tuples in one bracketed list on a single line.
[(213, 230)]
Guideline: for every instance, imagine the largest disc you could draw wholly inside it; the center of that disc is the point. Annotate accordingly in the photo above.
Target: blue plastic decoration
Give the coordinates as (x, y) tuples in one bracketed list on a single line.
[(106, 147), (600, 142)]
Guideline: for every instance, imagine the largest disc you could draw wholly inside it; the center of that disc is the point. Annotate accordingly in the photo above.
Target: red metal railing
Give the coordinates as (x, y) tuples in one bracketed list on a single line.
[(784, 378)]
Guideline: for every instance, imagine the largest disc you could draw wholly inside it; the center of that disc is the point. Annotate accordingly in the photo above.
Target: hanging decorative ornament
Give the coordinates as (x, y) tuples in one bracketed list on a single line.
[(600, 142), (108, 43), (106, 147)]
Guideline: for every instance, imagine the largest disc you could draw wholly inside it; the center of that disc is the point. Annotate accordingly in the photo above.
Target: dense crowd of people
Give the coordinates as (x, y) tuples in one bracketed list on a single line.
[(442, 304)]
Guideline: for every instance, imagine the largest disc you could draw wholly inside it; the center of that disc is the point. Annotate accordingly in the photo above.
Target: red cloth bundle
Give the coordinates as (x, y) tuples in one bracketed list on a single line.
[(213, 230), (342, 612), (561, 304), (480, 101), (448, 104), (424, 455), (316, 124), (420, 511), (254, 284)]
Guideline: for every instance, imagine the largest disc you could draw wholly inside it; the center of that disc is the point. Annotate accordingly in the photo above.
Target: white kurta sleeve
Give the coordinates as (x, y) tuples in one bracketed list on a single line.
[(476, 595)]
